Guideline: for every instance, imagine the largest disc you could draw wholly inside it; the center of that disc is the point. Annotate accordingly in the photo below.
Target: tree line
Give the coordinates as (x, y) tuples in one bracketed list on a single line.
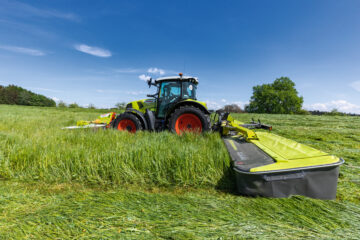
[(17, 95), (279, 97)]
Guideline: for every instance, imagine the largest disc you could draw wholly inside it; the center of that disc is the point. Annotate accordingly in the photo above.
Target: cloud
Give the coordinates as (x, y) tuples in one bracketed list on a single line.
[(144, 77), (340, 105), (55, 99), (19, 9), (23, 50), (95, 51), (135, 93), (156, 71), (241, 104), (215, 105), (27, 28), (44, 89), (355, 85), (128, 70)]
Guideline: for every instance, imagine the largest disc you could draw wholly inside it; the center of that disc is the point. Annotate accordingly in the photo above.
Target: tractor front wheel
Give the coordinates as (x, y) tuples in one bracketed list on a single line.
[(188, 119), (127, 122)]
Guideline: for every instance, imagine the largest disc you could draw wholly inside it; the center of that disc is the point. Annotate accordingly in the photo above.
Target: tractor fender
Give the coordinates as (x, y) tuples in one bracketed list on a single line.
[(139, 115), (188, 103)]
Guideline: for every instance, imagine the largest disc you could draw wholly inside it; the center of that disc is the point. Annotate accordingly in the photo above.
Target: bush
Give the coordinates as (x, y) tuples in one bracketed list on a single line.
[(91, 106), (303, 112), (61, 104), (233, 108), (73, 105), (120, 105)]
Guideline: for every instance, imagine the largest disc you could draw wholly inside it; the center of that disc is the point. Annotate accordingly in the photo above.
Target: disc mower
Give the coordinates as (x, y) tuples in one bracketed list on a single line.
[(265, 164)]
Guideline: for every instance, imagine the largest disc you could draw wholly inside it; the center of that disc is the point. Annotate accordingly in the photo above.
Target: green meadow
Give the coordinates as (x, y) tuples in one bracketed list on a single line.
[(81, 183)]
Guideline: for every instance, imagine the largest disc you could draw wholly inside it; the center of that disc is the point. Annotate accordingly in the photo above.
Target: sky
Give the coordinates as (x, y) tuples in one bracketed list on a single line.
[(101, 52)]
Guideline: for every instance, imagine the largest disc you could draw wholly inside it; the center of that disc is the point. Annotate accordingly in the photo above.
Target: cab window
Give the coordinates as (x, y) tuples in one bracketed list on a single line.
[(189, 90), (170, 90)]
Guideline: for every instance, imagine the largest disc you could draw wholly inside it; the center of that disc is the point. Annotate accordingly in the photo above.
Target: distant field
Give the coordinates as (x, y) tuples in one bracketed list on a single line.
[(83, 183)]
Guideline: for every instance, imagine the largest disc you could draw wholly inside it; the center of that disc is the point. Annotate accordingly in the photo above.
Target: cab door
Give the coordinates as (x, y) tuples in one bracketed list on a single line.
[(170, 93)]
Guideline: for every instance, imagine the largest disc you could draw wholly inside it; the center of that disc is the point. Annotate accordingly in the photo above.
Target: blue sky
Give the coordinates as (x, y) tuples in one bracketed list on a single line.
[(99, 51)]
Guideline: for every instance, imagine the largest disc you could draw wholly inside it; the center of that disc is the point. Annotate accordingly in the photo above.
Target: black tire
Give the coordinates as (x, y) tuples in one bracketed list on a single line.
[(129, 122), (204, 118)]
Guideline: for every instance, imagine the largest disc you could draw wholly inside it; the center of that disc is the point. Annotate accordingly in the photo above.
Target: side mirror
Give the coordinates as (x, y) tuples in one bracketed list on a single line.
[(149, 82)]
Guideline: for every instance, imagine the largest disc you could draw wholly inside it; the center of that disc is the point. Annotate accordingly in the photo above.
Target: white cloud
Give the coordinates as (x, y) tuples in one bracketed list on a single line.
[(55, 99), (144, 77), (135, 93), (340, 105), (214, 105), (28, 51), (355, 85), (95, 51), (156, 71), (44, 89), (241, 104), (127, 70), (19, 9)]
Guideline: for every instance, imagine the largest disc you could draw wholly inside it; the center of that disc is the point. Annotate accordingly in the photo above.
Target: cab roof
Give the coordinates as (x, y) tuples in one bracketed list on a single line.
[(178, 78)]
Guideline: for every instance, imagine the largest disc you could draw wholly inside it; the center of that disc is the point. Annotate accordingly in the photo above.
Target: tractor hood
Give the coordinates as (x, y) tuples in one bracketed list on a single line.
[(142, 105)]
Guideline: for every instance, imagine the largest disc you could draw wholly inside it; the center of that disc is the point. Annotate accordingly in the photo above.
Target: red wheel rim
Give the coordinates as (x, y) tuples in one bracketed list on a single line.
[(188, 123), (126, 125)]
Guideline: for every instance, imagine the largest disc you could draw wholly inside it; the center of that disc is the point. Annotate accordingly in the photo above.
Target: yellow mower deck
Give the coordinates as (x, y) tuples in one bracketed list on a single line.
[(269, 165)]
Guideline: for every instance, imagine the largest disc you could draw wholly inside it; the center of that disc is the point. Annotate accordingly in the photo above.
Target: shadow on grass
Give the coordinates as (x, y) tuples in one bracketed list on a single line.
[(227, 182)]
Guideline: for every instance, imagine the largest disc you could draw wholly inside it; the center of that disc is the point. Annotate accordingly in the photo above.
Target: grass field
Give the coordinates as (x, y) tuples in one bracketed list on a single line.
[(106, 184)]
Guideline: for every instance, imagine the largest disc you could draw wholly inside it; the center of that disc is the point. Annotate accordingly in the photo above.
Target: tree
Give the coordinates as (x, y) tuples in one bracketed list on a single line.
[(61, 104), (73, 105), (120, 105), (277, 97), (234, 108), (16, 95), (91, 106)]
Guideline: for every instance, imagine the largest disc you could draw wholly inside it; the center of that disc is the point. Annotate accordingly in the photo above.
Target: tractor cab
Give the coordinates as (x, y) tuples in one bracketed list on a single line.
[(171, 90)]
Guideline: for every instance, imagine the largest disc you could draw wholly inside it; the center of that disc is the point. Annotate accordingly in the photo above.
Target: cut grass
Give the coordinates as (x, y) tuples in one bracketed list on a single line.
[(106, 184), (43, 211)]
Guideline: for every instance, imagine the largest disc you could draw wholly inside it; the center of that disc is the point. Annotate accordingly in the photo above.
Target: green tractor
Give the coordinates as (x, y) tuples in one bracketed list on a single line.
[(174, 107)]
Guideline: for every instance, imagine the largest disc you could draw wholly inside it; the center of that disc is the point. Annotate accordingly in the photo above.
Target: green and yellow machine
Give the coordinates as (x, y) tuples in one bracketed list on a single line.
[(174, 106), (265, 164)]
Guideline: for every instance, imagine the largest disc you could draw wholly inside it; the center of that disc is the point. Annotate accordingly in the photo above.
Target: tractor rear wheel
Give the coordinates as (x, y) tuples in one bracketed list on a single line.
[(188, 119), (127, 122)]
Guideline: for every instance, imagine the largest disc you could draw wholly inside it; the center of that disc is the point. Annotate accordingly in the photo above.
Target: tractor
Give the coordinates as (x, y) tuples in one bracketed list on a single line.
[(174, 107)]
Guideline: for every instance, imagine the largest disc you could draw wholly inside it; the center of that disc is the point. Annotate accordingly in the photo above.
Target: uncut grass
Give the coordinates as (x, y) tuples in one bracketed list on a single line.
[(35, 147)]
